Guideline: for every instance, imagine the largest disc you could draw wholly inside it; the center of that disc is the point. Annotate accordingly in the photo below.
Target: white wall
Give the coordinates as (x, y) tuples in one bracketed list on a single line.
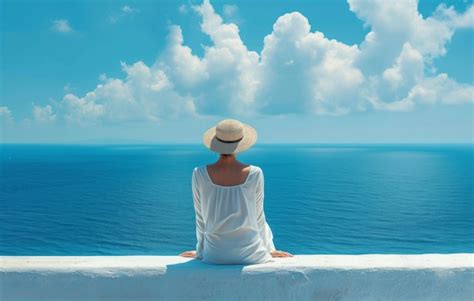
[(303, 277)]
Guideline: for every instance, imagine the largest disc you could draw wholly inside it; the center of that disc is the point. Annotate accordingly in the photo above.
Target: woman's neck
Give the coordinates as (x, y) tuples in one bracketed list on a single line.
[(227, 160)]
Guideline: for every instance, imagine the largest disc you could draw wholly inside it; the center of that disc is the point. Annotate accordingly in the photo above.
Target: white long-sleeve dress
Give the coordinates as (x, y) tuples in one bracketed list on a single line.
[(230, 221)]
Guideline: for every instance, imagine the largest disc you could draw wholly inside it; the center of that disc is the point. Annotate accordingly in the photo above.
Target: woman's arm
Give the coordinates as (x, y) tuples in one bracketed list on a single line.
[(199, 217), (265, 231)]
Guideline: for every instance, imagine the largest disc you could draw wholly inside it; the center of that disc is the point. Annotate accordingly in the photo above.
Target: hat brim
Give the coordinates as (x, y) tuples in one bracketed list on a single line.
[(210, 141)]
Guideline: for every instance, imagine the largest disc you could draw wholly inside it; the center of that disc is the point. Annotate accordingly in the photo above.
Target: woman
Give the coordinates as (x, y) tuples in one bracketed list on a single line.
[(228, 200)]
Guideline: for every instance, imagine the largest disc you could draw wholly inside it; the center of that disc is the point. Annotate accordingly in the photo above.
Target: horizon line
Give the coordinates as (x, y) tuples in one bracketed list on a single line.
[(261, 143)]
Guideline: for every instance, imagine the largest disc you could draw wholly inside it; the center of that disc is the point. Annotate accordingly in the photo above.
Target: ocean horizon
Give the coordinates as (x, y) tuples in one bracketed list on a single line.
[(135, 199)]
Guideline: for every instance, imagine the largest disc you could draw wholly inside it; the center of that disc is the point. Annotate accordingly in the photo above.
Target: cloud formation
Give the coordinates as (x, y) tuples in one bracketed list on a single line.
[(125, 10), (298, 71), (303, 71), (5, 115), (61, 26), (43, 114), (144, 94)]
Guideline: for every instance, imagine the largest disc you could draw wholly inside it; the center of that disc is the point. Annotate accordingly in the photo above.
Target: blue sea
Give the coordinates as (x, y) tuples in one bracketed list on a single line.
[(326, 199)]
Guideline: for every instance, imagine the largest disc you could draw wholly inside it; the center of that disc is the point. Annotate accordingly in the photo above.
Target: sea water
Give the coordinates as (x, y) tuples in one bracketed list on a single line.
[(319, 199)]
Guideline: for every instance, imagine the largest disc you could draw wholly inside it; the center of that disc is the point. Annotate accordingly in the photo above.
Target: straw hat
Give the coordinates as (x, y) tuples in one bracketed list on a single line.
[(230, 136)]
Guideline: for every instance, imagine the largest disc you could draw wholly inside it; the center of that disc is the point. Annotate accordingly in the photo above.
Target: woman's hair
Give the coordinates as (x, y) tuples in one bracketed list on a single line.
[(226, 155)]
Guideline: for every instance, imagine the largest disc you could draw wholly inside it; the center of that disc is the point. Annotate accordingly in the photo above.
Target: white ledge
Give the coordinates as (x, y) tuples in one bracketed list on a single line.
[(303, 277)]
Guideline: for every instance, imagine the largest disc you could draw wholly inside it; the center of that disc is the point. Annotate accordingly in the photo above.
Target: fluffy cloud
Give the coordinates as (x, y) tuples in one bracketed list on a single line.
[(129, 10), (5, 115), (124, 11), (298, 71), (183, 9), (43, 114), (61, 26), (394, 23), (456, 20), (230, 10), (441, 89), (145, 94), (397, 60), (231, 14), (225, 79), (303, 71)]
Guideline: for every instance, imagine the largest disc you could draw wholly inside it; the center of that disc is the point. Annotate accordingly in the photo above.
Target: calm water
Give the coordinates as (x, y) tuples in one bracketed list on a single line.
[(346, 199)]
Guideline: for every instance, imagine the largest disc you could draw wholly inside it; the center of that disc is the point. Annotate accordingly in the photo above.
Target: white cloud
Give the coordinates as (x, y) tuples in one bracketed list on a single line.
[(456, 20), (5, 115), (394, 23), (441, 89), (298, 71), (82, 110), (129, 10), (397, 54), (43, 114), (433, 90), (407, 70), (68, 88), (183, 67), (231, 14), (145, 94), (103, 77), (225, 79), (303, 71), (125, 10), (395, 82), (183, 9), (61, 26), (466, 19), (230, 10)]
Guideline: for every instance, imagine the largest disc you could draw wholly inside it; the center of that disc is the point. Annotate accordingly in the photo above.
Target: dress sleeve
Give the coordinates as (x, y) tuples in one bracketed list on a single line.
[(265, 231), (198, 216)]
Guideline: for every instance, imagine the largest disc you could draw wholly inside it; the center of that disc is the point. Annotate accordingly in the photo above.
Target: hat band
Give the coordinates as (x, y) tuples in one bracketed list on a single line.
[(227, 141)]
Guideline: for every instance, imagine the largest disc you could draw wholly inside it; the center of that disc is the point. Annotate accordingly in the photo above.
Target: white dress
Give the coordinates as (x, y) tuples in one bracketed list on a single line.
[(230, 221)]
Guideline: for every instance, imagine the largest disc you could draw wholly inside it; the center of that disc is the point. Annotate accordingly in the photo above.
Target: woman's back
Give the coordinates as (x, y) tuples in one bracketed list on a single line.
[(233, 175), (230, 222)]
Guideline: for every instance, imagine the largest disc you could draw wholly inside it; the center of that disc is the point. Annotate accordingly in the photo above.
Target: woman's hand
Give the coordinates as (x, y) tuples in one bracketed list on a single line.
[(191, 254), (278, 253)]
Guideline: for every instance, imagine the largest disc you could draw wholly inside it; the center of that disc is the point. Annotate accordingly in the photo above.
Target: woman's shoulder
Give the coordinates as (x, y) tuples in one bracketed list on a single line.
[(255, 173), (258, 173), (256, 169), (201, 170), (197, 170), (201, 167)]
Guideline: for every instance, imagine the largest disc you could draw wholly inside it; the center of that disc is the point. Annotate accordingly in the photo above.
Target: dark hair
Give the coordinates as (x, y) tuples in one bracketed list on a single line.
[(226, 155)]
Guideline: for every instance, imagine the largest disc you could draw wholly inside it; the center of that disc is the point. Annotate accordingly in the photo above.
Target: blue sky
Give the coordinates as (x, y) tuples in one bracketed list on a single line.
[(299, 71)]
